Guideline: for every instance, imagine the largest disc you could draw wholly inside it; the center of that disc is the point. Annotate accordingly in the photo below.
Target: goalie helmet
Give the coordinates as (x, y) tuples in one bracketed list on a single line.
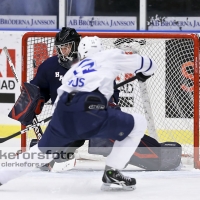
[(66, 43), (89, 46)]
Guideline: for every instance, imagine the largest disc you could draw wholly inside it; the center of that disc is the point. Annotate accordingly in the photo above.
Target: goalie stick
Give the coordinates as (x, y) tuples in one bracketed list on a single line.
[(29, 127), (37, 129)]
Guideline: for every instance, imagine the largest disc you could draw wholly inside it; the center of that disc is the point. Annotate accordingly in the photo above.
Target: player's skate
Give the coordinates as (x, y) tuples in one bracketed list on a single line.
[(113, 176)]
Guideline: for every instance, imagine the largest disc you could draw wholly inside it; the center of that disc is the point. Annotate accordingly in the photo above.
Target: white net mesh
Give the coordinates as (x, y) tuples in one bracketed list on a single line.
[(170, 90)]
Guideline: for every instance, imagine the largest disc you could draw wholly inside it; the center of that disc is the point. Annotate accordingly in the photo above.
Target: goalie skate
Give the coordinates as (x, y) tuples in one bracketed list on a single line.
[(114, 180)]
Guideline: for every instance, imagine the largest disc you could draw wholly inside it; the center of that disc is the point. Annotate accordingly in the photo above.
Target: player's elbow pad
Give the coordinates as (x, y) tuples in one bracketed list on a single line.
[(152, 70), (29, 104)]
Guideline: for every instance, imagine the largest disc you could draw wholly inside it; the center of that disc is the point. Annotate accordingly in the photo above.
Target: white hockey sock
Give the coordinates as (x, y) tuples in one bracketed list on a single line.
[(122, 152), (24, 163)]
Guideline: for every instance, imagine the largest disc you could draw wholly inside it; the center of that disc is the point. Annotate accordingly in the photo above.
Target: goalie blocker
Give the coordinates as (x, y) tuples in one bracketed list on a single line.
[(150, 154), (28, 104)]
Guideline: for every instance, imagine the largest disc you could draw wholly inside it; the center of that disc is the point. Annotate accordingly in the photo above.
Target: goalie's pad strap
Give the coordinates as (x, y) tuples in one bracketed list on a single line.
[(28, 104)]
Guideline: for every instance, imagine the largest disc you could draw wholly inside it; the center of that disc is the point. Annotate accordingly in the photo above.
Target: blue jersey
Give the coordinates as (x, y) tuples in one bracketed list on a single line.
[(49, 77)]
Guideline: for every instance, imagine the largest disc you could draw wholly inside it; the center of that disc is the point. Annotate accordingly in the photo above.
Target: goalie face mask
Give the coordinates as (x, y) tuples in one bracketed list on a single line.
[(66, 43)]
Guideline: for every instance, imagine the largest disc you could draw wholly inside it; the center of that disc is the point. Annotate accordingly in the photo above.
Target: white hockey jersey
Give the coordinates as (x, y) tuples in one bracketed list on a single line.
[(101, 69)]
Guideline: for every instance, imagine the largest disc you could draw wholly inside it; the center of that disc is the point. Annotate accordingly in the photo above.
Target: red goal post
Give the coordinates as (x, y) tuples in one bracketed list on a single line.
[(173, 90)]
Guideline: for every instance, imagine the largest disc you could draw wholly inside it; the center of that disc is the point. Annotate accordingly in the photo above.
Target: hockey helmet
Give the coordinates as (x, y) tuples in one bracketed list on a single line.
[(89, 46), (66, 43)]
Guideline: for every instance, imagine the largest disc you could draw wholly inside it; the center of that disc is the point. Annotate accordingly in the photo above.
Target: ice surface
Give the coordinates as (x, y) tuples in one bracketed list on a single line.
[(84, 182)]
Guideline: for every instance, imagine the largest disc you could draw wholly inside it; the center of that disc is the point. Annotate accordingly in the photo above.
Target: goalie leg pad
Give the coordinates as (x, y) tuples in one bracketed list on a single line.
[(28, 104), (150, 154)]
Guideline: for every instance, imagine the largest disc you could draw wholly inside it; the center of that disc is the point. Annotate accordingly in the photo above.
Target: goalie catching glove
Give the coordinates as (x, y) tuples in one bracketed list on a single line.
[(29, 104)]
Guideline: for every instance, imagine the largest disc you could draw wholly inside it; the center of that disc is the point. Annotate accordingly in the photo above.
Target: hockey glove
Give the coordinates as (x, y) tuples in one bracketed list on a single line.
[(141, 77), (28, 104)]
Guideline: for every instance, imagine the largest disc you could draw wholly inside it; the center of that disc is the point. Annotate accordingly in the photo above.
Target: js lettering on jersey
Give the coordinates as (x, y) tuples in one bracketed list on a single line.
[(77, 82), (85, 67)]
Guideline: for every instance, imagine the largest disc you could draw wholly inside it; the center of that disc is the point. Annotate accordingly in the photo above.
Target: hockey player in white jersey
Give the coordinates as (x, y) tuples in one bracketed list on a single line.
[(81, 110)]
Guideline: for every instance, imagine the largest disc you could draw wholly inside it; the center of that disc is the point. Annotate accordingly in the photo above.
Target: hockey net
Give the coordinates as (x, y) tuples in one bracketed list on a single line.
[(173, 91)]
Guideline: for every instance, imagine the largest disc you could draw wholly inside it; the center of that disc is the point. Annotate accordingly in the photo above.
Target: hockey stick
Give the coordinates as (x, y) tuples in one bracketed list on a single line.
[(37, 130), (10, 63), (25, 130), (125, 82)]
